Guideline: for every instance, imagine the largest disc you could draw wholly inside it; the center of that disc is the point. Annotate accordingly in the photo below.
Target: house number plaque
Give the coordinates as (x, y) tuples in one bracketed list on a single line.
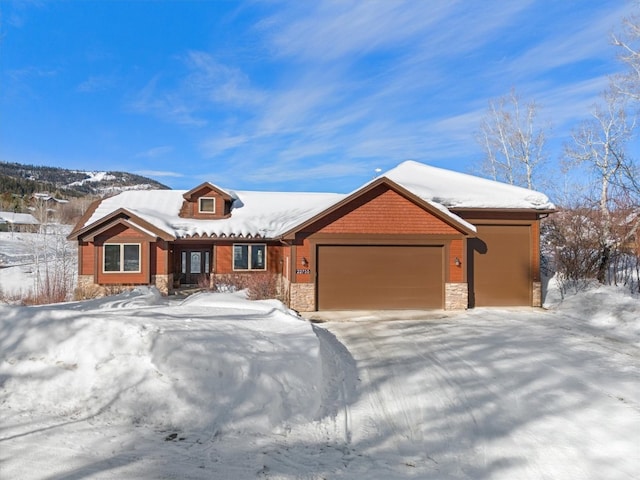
[(303, 271)]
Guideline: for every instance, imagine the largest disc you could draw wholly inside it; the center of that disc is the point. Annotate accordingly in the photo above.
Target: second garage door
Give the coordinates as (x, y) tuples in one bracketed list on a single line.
[(502, 265), (363, 277)]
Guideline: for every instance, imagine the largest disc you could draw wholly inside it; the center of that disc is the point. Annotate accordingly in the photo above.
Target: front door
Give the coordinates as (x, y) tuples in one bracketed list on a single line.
[(195, 266)]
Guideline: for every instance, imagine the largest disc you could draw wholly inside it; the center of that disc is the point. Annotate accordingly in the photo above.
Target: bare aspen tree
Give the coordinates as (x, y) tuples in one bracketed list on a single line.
[(598, 236), (599, 145), (513, 144), (628, 43), (628, 85)]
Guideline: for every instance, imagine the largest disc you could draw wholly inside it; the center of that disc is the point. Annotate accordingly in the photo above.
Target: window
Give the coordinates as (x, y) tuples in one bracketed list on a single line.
[(122, 257), (207, 205), (249, 257)]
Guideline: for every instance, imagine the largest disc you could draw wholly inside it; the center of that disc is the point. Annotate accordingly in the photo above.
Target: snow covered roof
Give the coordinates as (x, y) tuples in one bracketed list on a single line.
[(459, 190), (273, 214), (254, 214), (45, 197), (18, 218)]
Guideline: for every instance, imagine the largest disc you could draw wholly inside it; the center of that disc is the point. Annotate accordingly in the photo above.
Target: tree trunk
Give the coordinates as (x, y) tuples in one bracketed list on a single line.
[(603, 265)]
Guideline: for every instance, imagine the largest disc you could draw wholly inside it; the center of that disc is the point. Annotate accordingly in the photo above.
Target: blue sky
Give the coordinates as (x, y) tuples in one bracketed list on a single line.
[(295, 95)]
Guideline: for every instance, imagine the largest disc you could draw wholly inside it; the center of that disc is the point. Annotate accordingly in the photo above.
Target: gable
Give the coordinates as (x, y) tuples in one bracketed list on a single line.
[(384, 210), (206, 202), (117, 217), (119, 229)]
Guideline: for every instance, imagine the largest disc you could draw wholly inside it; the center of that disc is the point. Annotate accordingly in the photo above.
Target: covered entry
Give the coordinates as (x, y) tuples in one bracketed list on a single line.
[(193, 264), (353, 277)]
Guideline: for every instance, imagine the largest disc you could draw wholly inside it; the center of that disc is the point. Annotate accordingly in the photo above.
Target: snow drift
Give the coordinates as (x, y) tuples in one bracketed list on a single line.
[(244, 366)]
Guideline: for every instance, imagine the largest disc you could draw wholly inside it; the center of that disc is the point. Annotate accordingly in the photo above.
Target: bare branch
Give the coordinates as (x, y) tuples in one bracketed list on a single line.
[(514, 146)]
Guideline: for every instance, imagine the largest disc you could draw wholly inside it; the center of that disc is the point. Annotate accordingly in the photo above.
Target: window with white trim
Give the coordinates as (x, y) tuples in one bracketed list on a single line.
[(249, 256), (207, 205), (122, 257)]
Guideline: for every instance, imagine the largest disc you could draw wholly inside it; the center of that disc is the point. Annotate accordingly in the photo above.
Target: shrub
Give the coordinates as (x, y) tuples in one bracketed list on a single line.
[(262, 286), (228, 282), (585, 250), (259, 286)]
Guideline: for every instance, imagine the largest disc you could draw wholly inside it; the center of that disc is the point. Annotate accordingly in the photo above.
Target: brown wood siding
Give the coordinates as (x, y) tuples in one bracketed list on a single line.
[(219, 211), (304, 251), (535, 251), (352, 277), (476, 216), (456, 272), (87, 258), (502, 269), (160, 258), (224, 258), (383, 211), (191, 207)]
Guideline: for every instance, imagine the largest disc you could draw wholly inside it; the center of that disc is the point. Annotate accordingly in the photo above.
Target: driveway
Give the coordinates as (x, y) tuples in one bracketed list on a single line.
[(488, 393)]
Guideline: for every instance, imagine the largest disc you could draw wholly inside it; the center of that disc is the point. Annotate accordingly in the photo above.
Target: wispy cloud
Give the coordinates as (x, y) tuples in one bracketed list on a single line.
[(155, 152), (326, 31), (16, 13), (345, 86), (23, 74), (158, 173), (96, 83), (217, 145), (189, 96), (21, 82), (212, 81), (168, 105), (570, 44)]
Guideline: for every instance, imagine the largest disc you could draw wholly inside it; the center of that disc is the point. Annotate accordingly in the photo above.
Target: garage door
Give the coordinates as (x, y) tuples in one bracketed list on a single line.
[(502, 265), (362, 277)]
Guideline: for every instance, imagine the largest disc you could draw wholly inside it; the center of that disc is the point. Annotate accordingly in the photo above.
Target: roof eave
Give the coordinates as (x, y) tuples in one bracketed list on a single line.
[(503, 210), (189, 195), (79, 234)]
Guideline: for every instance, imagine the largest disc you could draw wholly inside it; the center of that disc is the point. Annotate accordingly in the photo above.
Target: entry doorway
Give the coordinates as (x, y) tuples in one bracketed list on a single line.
[(195, 265)]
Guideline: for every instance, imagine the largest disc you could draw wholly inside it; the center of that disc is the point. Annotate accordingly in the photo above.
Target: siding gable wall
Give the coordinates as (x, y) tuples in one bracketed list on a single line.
[(190, 206), (384, 211)]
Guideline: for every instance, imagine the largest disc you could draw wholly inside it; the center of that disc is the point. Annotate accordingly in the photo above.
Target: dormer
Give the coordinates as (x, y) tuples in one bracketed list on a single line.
[(206, 202)]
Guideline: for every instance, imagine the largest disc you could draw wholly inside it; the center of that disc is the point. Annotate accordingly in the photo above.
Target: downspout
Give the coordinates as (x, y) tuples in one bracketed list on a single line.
[(290, 268), (292, 262)]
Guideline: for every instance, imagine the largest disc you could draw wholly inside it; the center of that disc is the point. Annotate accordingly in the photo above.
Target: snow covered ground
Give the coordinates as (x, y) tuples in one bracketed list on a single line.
[(25, 259), (16, 262), (215, 386)]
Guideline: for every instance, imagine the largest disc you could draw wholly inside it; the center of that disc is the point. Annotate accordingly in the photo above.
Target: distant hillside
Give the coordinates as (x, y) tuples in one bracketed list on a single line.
[(24, 180)]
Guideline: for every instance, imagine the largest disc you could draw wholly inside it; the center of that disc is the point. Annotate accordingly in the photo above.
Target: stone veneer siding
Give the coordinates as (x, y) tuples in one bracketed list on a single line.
[(87, 288), (302, 297), (537, 294), (456, 296), (164, 283), (85, 282)]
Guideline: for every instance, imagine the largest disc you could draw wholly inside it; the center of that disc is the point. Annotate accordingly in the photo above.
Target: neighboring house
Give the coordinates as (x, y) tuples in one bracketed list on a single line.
[(416, 237), (18, 222), (44, 205)]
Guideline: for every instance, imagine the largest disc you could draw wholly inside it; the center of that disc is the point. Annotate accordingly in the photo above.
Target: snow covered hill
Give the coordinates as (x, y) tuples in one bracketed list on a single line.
[(26, 179), (216, 386)]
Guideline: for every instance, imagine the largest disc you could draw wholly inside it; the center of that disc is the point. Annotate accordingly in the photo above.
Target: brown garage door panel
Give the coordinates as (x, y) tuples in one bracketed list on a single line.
[(502, 266), (352, 277)]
